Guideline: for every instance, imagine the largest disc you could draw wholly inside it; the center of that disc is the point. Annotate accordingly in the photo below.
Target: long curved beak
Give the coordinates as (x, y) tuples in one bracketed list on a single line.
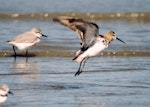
[(120, 40), (44, 35), (10, 93)]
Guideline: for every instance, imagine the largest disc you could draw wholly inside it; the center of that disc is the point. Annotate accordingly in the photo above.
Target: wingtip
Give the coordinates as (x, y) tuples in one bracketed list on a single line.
[(8, 41), (59, 18), (64, 18), (55, 19)]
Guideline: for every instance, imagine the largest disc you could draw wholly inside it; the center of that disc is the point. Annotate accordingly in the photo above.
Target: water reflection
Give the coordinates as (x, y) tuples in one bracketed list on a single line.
[(28, 67), (26, 71), (86, 102)]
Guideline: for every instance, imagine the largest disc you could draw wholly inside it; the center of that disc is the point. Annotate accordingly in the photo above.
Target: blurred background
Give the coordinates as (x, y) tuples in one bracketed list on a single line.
[(79, 6), (119, 76)]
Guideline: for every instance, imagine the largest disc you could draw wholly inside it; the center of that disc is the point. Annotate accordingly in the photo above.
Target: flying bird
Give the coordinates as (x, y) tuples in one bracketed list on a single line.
[(92, 43)]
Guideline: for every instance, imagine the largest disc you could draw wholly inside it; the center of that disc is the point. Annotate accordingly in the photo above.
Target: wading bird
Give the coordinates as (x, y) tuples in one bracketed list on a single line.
[(26, 40), (4, 91)]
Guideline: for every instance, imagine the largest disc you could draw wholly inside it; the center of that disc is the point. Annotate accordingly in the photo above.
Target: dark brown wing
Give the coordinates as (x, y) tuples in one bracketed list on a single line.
[(72, 23), (87, 31)]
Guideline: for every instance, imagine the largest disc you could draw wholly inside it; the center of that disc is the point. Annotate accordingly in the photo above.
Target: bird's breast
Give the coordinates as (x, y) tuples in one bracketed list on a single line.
[(95, 49)]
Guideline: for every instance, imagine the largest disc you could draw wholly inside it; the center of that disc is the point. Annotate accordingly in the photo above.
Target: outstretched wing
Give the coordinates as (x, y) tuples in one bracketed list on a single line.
[(87, 31), (72, 23)]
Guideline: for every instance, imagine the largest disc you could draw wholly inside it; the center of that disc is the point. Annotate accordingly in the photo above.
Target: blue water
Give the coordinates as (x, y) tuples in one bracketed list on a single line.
[(135, 35), (50, 6), (108, 81)]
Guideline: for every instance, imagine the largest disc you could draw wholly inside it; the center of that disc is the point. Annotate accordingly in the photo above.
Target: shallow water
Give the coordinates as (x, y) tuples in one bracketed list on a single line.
[(107, 82), (118, 77), (59, 38), (49, 80), (50, 6)]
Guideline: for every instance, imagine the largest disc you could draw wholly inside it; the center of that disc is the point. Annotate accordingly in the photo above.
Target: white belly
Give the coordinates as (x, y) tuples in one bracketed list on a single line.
[(94, 50), (23, 46), (3, 99)]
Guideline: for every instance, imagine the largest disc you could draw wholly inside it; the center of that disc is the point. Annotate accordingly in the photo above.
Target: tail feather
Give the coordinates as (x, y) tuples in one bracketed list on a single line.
[(78, 59), (74, 58)]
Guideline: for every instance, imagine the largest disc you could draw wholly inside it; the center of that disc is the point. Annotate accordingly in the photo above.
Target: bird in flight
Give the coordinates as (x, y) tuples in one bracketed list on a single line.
[(92, 43)]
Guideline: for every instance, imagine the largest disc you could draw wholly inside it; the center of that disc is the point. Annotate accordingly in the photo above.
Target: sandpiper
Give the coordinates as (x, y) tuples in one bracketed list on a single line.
[(92, 43), (26, 40), (4, 91)]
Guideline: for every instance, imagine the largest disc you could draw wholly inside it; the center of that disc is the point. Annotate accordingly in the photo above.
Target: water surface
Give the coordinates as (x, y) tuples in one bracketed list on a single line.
[(118, 77), (92, 6), (107, 82)]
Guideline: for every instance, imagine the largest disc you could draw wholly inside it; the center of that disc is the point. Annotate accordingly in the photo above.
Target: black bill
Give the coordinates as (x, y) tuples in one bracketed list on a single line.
[(120, 40), (44, 35), (10, 93)]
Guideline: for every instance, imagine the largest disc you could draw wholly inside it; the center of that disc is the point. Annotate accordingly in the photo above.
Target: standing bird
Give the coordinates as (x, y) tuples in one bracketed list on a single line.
[(26, 40), (92, 43), (4, 91)]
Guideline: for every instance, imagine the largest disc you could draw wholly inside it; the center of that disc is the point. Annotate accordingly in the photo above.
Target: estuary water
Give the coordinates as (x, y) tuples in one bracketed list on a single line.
[(117, 77)]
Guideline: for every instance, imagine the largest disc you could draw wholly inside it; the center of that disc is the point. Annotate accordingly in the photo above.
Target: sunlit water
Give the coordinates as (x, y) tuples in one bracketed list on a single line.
[(107, 81)]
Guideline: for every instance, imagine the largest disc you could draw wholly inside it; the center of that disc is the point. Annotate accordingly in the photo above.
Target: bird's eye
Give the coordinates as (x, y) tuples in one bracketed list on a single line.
[(114, 34)]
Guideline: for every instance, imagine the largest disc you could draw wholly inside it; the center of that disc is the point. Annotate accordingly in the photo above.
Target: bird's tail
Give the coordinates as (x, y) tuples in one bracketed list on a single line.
[(78, 58)]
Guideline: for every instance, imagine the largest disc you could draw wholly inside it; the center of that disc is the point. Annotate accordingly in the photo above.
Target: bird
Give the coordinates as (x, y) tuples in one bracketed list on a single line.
[(4, 91), (92, 43), (26, 40)]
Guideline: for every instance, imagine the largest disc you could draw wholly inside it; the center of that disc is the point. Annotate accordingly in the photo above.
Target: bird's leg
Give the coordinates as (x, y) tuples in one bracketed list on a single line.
[(84, 63), (27, 55), (14, 52), (79, 70), (81, 66)]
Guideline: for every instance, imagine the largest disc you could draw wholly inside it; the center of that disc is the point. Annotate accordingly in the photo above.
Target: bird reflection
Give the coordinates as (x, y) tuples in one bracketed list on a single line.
[(25, 68)]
